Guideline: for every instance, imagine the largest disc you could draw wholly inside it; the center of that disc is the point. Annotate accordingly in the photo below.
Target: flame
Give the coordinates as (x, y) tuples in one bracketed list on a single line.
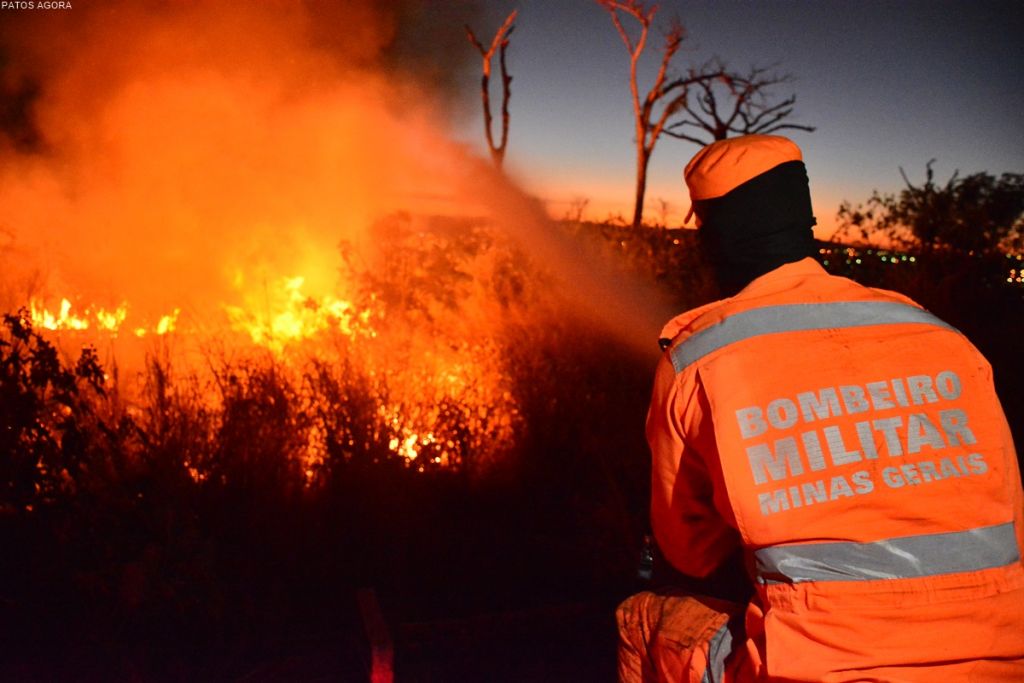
[(290, 315), (95, 318), (63, 320), (452, 400), (111, 320)]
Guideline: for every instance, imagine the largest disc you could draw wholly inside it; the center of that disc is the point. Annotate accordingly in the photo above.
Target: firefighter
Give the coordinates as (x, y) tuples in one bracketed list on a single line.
[(846, 442)]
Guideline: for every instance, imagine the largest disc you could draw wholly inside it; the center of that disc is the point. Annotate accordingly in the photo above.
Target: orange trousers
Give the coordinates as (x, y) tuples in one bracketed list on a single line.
[(674, 637)]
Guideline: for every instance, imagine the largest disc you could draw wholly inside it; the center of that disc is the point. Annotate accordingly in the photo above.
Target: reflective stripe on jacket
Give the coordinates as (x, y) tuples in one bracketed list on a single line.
[(853, 444)]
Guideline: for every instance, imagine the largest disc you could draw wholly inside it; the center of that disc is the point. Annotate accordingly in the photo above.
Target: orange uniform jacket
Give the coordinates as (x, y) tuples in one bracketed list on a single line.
[(854, 446)]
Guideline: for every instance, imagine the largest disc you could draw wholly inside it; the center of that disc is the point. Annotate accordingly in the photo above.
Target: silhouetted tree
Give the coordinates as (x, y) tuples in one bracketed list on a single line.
[(499, 44), (726, 103), (733, 104), (664, 98), (976, 214)]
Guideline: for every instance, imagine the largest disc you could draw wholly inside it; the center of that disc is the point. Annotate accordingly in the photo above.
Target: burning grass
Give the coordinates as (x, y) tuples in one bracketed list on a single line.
[(412, 365), (209, 501)]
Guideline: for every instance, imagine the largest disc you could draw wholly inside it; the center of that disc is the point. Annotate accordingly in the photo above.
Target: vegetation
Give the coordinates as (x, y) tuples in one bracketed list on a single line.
[(978, 214)]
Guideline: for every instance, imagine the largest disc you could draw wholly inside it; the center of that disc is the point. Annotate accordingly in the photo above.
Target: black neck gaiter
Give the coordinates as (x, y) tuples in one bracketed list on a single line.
[(758, 226)]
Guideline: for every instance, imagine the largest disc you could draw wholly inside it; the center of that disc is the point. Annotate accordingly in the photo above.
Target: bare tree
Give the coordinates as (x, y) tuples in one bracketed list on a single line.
[(734, 104), (665, 97), (727, 103), (499, 44), (577, 209)]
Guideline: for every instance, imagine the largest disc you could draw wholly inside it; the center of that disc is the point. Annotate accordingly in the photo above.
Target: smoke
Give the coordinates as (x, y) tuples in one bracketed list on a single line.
[(590, 288), (187, 148), (178, 155)]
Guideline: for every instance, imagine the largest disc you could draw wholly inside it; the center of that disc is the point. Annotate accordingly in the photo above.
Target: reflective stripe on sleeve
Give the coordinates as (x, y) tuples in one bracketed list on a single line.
[(894, 558), (719, 649), (797, 318)]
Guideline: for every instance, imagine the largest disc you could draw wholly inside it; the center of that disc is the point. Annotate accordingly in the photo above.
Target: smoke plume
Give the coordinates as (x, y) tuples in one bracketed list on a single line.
[(179, 155)]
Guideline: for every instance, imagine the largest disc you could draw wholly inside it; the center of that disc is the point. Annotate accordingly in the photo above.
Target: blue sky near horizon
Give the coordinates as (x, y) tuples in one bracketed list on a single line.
[(887, 85)]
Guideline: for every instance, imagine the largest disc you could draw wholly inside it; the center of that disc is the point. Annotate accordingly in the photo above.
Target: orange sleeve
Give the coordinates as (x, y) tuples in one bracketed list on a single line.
[(687, 525), (1014, 485), (1016, 494)]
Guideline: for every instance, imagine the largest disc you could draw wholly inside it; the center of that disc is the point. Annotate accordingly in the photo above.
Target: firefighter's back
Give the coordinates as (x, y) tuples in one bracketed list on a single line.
[(873, 479)]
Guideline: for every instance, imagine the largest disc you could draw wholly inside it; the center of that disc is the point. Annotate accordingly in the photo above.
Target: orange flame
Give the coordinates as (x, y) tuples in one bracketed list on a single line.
[(103, 320), (289, 315), (455, 376)]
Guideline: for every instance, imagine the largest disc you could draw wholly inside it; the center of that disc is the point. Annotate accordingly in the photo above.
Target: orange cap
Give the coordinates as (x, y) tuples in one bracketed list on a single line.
[(726, 164)]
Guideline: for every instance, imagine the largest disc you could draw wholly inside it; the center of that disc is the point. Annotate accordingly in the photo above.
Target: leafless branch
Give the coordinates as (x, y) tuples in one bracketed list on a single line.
[(749, 110), (646, 131), (667, 96), (499, 44)]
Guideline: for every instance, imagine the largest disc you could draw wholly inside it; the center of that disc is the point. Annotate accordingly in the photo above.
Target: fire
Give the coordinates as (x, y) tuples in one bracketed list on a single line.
[(110, 320), (165, 325), (290, 315), (440, 396), (62, 320), (103, 320), (248, 139)]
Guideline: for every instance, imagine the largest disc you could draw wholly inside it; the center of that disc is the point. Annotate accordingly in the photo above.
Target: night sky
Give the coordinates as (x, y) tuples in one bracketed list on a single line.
[(887, 85)]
